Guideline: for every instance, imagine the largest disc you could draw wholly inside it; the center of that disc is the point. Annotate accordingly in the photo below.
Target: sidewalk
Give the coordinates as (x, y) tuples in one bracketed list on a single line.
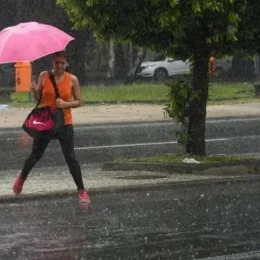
[(45, 181), (91, 114), (58, 181)]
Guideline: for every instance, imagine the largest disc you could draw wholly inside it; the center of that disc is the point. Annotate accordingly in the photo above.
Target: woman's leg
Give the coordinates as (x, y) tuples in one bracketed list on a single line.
[(66, 139), (39, 146)]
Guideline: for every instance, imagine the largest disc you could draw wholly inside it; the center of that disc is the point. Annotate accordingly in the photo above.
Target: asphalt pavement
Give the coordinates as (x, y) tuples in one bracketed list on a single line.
[(133, 215), (105, 142), (208, 221), (49, 181)]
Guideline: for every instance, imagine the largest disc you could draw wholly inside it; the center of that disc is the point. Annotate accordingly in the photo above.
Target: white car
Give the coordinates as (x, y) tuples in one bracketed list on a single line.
[(160, 69)]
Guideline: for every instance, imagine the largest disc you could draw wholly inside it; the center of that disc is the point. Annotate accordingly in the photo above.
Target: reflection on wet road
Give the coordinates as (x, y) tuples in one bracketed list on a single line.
[(164, 223)]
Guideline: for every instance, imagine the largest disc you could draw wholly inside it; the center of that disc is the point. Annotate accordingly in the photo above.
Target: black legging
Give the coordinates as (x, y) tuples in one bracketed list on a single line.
[(66, 139)]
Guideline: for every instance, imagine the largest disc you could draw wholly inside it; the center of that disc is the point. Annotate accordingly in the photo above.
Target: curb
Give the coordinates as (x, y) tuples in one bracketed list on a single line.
[(240, 168), (137, 187), (113, 102), (134, 101)]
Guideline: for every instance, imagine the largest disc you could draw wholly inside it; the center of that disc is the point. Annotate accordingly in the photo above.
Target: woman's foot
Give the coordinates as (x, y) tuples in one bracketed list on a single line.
[(84, 197), (18, 184), (84, 200)]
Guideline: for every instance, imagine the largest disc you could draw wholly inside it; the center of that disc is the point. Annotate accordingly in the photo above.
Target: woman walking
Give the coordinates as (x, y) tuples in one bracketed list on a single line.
[(70, 97)]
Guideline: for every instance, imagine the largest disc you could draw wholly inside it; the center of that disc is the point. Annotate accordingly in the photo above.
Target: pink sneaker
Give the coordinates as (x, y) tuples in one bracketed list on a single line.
[(84, 197), (18, 184)]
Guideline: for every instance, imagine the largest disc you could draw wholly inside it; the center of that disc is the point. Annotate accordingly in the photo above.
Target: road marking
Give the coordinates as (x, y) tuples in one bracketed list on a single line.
[(152, 143), (138, 144)]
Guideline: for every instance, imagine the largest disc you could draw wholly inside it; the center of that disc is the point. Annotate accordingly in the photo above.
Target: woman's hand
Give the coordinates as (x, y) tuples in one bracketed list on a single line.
[(61, 103), (36, 91)]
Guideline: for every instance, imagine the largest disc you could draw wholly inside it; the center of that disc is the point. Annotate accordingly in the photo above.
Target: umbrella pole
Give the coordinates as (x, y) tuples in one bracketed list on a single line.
[(33, 80), (30, 97)]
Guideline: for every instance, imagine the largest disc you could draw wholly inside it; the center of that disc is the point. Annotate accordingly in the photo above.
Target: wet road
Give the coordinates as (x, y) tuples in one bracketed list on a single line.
[(99, 143), (165, 223)]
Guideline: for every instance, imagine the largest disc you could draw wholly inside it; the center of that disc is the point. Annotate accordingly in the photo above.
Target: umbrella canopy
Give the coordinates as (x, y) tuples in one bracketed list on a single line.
[(31, 41)]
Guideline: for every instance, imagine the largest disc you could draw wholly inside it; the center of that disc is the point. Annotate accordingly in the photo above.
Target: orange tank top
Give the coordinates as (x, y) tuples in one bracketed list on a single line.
[(65, 91)]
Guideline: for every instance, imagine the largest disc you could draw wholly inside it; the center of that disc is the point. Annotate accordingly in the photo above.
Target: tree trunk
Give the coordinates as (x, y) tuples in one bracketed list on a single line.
[(136, 65), (120, 62), (197, 109), (111, 61)]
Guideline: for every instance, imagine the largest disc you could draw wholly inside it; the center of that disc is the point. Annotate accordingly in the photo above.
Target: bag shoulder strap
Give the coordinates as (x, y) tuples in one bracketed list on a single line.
[(51, 76), (40, 100)]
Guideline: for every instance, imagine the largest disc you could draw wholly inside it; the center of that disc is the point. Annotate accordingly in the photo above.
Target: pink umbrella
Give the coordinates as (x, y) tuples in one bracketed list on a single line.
[(31, 41)]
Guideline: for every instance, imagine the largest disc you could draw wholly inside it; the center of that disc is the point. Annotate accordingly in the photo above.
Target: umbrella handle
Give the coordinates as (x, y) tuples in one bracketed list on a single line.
[(34, 79)]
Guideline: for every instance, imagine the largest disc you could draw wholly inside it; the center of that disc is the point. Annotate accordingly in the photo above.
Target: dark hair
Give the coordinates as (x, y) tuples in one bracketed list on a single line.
[(62, 54)]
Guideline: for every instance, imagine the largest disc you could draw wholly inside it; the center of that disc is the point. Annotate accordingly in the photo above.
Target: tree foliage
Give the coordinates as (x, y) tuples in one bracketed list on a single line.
[(175, 27), (187, 29)]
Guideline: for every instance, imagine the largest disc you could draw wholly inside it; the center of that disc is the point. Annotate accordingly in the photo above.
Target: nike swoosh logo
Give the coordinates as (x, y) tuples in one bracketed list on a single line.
[(37, 123)]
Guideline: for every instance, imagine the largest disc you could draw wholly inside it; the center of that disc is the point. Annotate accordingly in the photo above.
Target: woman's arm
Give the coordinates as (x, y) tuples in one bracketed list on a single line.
[(37, 89)]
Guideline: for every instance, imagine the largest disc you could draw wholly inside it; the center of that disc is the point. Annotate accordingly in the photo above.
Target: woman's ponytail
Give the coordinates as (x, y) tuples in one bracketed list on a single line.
[(67, 69)]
